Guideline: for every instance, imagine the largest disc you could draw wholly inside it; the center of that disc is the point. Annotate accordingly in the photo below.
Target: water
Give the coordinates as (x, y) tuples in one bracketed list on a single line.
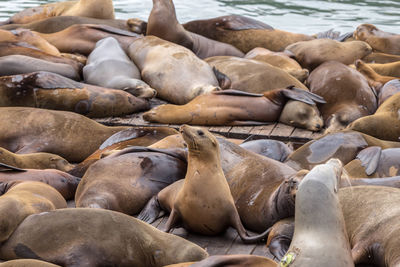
[(303, 16)]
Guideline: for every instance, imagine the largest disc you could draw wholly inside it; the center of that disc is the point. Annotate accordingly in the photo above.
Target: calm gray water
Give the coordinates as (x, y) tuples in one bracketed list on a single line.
[(305, 16)]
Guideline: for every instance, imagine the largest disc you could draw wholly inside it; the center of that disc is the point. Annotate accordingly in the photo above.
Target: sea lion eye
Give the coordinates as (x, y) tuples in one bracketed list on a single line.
[(201, 133)]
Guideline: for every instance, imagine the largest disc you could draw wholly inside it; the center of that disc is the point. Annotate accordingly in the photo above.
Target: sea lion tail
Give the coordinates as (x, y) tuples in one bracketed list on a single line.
[(152, 211)]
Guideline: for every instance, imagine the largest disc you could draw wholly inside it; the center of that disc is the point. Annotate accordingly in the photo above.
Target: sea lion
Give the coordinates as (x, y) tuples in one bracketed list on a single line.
[(172, 141), (205, 204), (280, 60), (380, 41), (272, 149), (346, 92), (232, 107), (22, 199), (311, 54), (109, 66), (52, 91), (69, 135), (18, 64), (280, 237), (253, 76), (384, 123), (387, 72), (231, 261), (34, 161), (375, 162), (389, 89), (27, 263), (142, 172), (64, 183), (319, 220), (100, 9), (380, 58), (163, 23), (244, 33), (78, 231), (344, 145), (161, 62)]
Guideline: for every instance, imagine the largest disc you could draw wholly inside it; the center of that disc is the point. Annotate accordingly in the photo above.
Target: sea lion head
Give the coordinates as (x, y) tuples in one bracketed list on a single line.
[(56, 162), (198, 139), (302, 115), (362, 31)]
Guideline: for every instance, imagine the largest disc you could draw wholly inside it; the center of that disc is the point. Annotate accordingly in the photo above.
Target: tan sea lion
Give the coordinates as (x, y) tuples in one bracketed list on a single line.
[(172, 141), (69, 135), (142, 172), (384, 123), (163, 23), (100, 9), (380, 58), (161, 62), (319, 220), (64, 183), (205, 204), (52, 91), (232, 107), (22, 199), (34, 161), (380, 41), (280, 60), (311, 54), (387, 72), (27, 263), (346, 91), (90, 237), (253, 76), (244, 33), (231, 261), (344, 145)]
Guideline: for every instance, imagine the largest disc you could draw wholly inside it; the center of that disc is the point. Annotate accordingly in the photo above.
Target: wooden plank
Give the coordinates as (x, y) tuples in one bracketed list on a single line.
[(222, 130), (240, 132), (282, 132), (264, 131)]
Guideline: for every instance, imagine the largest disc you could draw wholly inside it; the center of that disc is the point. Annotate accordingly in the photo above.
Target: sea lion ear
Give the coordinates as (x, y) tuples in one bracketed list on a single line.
[(370, 158)]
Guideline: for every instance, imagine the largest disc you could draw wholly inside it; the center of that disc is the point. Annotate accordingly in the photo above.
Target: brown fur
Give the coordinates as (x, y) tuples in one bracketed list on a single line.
[(380, 41)]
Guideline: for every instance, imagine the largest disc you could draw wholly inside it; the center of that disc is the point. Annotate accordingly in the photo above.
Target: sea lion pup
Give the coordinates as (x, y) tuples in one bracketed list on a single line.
[(97, 237), (387, 72), (280, 60), (67, 134), (320, 237), (380, 41), (109, 66), (384, 124), (22, 199), (174, 71), (272, 149), (27, 263), (232, 107), (244, 33), (56, 24), (100, 9), (375, 162), (142, 172), (82, 38), (344, 145), (311, 54), (346, 91), (253, 76), (163, 23), (18, 64), (52, 91), (64, 183), (231, 261), (34, 161), (205, 204)]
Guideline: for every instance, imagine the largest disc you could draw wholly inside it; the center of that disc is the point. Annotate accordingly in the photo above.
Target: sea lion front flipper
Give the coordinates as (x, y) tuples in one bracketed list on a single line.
[(9, 168), (236, 93), (112, 30), (370, 158), (248, 123), (48, 80), (344, 37), (223, 80), (240, 23), (152, 211), (137, 25), (302, 95), (329, 34)]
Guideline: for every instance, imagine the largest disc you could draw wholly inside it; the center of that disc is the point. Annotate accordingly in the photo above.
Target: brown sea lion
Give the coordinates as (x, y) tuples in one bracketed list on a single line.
[(69, 135), (22, 199), (244, 33), (97, 237), (380, 58), (346, 92), (311, 54), (253, 76), (232, 107), (27, 263), (205, 204), (343, 145), (163, 23), (100, 9), (272, 149), (384, 123), (52, 91), (231, 261), (18, 64), (64, 183), (174, 71), (319, 220), (280, 237), (34, 161), (380, 41), (375, 79), (172, 141), (280, 60), (390, 88)]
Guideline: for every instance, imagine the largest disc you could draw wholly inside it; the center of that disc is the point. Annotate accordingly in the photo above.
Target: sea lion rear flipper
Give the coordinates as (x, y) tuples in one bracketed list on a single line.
[(137, 25), (8, 168), (279, 246), (329, 34), (344, 37), (240, 23), (223, 80), (236, 93), (369, 158), (152, 211)]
